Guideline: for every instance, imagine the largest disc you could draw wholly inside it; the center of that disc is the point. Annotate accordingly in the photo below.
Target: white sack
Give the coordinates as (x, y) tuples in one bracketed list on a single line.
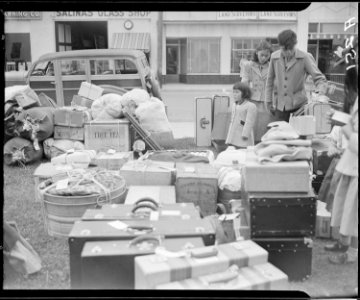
[(107, 107), (12, 91), (152, 116), (230, 179), (230, 157), (135, 97)]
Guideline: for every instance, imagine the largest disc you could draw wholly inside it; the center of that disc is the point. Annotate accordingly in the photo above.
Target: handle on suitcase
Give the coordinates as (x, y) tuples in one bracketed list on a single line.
[(143, 238), (143, 205), (204, 252), (140, 228), (223, 277), (147, 199)]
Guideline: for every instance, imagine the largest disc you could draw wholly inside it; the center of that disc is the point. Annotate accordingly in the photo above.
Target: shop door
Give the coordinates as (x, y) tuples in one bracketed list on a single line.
[(325, 55), (172, 63)]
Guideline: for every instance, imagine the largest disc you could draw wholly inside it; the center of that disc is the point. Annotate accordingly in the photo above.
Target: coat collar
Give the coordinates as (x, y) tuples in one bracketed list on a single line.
[(298, 55), (255, 67)]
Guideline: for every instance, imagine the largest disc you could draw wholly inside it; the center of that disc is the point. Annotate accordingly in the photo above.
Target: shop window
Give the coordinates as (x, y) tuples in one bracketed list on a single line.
[(332, 27), (72, 67), (204, 55), (125, 66), (244, 48), (313, 27), (17, 51), (64, 41)]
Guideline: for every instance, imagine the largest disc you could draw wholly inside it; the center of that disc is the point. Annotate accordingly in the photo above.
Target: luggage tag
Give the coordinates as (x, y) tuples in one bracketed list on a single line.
[(118, 225), (62, 184), (111, 151)]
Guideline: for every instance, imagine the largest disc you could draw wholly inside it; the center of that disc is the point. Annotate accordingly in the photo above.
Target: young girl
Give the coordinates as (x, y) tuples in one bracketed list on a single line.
[(345, 206), (243, 118), (255, 74)]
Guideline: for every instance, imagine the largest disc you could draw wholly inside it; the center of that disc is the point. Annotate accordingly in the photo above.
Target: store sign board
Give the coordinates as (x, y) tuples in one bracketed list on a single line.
[(257, 15), (23, 15), (278, 15), (102, 14), (236, 15)]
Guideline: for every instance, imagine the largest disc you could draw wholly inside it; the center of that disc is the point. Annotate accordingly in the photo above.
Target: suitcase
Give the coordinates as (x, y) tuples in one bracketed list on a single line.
[(110, 264), (259, 277), (152, 270), (85, 231), (221, 117), (292, 255), (281, 214), (321, 161), (203, 124), (161, 194), (143, 210)]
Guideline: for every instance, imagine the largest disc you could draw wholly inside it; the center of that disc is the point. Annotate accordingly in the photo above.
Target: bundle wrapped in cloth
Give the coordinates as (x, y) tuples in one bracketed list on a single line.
[(87, 182), (53, 148), (107, 107), (77, 159), (282, 143), (134, 98)]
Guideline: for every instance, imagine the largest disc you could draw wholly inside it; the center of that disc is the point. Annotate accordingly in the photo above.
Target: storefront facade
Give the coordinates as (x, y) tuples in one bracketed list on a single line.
[(32, 34), (207, 47), (327, 33)]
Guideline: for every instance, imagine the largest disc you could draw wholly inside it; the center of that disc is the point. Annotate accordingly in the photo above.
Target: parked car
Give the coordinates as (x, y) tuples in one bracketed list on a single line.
[(15, 78), (60, 74)]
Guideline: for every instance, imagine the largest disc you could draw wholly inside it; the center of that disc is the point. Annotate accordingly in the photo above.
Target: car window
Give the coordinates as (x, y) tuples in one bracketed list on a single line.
[(72, 67), (102, 67), (40, 69), (125, 66)]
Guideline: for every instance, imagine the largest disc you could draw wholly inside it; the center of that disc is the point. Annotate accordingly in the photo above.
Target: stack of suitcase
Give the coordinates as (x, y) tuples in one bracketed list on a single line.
[(282, 222)]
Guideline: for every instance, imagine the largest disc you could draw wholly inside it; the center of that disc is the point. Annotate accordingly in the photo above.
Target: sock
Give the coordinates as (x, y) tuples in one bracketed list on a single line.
[(352, 253)]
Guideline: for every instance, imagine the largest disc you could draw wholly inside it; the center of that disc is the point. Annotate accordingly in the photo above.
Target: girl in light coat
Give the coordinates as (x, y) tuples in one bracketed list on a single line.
[(255, 74), (243, 118)]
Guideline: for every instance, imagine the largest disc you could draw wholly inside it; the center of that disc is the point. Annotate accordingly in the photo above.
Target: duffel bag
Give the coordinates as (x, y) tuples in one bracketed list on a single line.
[(19, 150), (36, 123)]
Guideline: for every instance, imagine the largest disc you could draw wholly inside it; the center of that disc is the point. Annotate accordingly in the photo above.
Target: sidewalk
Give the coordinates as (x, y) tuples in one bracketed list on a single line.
[(226, 88)]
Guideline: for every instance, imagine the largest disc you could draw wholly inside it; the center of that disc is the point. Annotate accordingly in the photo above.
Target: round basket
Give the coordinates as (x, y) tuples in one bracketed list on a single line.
[(224, 197), (60, 227)]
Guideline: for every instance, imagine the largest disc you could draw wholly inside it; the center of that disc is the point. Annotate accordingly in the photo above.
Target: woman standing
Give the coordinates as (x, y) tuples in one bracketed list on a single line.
[(255, 75)]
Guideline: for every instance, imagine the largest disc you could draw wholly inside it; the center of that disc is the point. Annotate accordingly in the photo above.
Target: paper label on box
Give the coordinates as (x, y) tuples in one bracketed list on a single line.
[(111, 151), (118, 225), (62, 184), (189, 169), (170, 213), (154, 216), (161, 251)]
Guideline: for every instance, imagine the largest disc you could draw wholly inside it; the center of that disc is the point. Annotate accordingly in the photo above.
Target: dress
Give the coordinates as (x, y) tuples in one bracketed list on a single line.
[(243, 117), (255, 75), (345, 207)]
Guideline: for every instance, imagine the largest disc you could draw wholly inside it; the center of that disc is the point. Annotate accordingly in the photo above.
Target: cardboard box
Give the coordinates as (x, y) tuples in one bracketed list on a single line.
[(68, 133), (341, 117), (259, 277), (27, 98), (303, 125), (104, 135), (90, 91), (46, 171), (323, 220), (72, 116), (152, 270), (148, 172), (285, 176), (236, 226), (81, 101), (113, 161), (161, 194), (197, 183)]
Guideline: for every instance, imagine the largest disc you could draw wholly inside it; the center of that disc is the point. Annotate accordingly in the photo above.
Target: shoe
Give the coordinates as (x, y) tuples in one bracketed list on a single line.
[(341, 259), (336, 247)]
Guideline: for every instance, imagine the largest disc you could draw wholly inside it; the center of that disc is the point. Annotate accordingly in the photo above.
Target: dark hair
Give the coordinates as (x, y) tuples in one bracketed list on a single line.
[(287, 39), (264, 45), (244, 88), (350, 85)]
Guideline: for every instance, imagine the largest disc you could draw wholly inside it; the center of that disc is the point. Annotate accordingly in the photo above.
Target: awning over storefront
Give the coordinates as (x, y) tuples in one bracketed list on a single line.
[(140, 41), (328, 36)]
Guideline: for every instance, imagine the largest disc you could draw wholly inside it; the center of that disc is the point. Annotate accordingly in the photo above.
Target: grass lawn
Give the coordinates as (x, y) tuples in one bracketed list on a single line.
[(326, 281)]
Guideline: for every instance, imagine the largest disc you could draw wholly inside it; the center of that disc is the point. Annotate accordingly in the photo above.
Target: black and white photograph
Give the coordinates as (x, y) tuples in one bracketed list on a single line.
[(174, 150)]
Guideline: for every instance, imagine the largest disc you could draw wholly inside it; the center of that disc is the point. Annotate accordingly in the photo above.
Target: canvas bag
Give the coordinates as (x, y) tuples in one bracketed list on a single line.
[(19, 253), (19, 150)]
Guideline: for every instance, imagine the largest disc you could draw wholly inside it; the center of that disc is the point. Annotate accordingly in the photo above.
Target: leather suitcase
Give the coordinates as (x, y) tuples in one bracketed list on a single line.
[(110, 264), (85, 231), (152, 270), (291, 255), (282, 214), (143, 210), (258, 277)]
